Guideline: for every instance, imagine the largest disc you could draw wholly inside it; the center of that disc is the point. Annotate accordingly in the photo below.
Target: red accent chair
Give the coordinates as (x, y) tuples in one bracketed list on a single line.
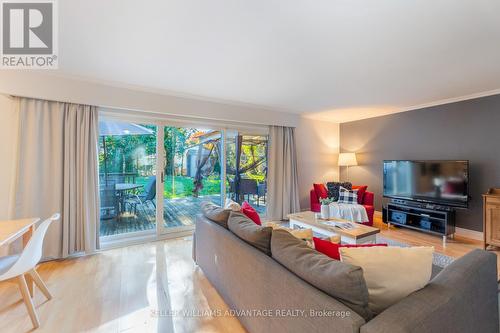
[(368, 199)]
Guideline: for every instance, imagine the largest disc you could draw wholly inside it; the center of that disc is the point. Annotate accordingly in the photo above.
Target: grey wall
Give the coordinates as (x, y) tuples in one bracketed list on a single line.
[(468, 130)]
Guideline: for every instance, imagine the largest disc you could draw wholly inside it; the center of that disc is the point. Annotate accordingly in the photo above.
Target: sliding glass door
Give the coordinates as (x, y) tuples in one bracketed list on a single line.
[(127, 175), (192, 174), (154, 175), (246, 169)]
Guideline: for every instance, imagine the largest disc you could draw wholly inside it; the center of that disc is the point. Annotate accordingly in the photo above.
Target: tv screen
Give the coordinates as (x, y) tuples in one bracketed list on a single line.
[(439, 182)]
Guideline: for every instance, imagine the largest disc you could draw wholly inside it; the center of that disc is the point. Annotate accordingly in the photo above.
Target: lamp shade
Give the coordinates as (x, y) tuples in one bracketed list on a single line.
[(347, 159)]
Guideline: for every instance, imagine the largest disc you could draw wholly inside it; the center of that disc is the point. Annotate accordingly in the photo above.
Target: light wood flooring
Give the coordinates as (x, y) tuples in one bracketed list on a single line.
[(455, 248), (122, 290)]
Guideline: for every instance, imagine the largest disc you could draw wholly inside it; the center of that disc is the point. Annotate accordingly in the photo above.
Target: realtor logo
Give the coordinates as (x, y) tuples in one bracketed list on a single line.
[(29, 34)]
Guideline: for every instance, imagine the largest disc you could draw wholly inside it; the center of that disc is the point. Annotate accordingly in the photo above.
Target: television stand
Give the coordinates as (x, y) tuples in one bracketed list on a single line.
[(436, 221)]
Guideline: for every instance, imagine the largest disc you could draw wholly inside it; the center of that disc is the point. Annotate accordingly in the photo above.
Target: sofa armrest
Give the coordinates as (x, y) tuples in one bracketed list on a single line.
[(313, 198), (462, 298), (370, 211), (368, 198)]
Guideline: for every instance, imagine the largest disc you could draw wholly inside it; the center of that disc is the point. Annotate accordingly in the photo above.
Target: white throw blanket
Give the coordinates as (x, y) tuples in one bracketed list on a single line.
[(351, 212)]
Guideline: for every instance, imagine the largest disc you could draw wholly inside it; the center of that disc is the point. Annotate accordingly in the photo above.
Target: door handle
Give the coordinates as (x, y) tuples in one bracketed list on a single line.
[(162, 177)]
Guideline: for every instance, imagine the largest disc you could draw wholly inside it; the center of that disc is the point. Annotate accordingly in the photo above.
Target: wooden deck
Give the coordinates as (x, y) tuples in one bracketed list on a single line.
[(177, 212)]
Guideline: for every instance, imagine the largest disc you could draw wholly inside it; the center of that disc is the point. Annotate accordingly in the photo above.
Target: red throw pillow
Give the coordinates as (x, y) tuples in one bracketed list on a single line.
[(361, 192), (332, 250), (321, 191), (251, 213)]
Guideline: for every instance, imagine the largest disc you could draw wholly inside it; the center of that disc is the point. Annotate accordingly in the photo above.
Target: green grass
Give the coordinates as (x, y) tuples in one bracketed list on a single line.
[(183, 186)]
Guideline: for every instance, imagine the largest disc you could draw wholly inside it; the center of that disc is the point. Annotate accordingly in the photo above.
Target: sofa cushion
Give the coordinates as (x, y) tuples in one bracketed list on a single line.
[(251, 213), (347, 196), (232, 205), (321, 191), (332, 249), (334, 187), (215, 213), (361, 192), (342, 281), (255, 235), (391, 273)]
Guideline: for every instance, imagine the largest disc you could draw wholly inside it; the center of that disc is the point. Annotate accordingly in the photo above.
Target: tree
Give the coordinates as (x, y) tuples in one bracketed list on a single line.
[(176, 141)]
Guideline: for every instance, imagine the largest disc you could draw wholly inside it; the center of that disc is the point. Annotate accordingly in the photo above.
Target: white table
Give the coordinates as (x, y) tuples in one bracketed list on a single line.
[(362, 234), (13, 229)]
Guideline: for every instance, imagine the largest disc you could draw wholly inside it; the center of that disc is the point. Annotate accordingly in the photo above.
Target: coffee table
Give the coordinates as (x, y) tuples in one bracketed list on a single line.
[(362, 234)]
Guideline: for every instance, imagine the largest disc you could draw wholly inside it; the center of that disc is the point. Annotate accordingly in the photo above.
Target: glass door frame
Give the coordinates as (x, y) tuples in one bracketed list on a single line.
[(132, 237), (161, 229), (162, 121)]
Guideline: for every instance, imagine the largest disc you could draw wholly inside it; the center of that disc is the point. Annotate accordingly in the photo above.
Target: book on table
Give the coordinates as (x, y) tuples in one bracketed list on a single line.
[(341, 225)]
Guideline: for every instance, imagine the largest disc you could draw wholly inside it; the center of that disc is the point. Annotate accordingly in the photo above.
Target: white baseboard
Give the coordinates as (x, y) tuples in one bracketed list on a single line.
[(461, 232), (467, 233)]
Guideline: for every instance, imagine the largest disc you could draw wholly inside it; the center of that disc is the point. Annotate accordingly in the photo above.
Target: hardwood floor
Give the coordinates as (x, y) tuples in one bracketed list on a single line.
[(454, 248), (123, 290)]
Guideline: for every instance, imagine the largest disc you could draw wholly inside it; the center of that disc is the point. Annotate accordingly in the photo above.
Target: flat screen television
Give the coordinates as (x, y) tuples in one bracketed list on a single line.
[(436, 182)]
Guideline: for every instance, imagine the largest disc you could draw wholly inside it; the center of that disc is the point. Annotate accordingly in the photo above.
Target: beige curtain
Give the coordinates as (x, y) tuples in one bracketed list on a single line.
[(57, 172), (282, 178)]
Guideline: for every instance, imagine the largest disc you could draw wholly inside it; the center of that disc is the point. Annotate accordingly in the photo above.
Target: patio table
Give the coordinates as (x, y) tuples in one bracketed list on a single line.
[(121, 189), (124, 187)]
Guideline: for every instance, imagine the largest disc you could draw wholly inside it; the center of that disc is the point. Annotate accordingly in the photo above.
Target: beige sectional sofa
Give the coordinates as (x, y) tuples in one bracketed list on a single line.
[(268, 297)]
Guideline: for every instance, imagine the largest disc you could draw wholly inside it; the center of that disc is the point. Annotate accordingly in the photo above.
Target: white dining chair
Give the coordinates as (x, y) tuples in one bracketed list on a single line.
[(17, 266)]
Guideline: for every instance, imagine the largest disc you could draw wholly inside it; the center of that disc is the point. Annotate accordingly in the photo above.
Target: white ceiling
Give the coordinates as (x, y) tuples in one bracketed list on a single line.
[(335, 60)]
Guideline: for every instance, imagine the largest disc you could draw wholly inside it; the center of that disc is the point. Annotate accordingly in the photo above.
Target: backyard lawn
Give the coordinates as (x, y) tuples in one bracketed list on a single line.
[(184, 186)]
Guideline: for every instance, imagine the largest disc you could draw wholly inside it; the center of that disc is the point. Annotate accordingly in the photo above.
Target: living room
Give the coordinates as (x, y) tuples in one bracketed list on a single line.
[(187, 166)]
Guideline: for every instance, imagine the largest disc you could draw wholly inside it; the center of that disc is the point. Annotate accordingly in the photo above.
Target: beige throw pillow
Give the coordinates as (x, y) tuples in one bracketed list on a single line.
[(232, 205), (299, 233), (391, 273), (335, 239), (302, 233)]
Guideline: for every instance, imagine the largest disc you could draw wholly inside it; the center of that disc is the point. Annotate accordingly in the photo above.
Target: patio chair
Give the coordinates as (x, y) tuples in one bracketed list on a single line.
[(109, 202), (143, 199), (248, 187), (261, 192), (231, 192)]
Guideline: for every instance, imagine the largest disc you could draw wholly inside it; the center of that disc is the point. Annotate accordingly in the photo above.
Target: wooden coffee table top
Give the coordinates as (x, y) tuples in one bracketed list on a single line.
[(309, 218)]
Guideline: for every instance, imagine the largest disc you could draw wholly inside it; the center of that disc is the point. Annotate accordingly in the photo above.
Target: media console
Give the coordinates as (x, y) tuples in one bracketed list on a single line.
[(437, 220)]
